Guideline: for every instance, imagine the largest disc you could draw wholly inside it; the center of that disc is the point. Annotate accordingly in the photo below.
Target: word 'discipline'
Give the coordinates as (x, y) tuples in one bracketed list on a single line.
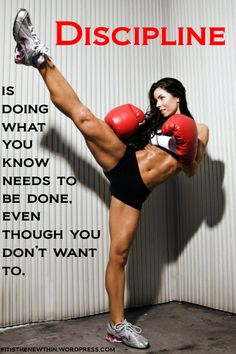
[(138, 36)]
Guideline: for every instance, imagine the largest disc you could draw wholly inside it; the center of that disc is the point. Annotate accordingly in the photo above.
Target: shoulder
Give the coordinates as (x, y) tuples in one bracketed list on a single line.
[(203, 132), (202, 126)]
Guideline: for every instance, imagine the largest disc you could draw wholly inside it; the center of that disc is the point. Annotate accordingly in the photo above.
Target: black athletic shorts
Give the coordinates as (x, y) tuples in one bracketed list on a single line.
[(126, 182)]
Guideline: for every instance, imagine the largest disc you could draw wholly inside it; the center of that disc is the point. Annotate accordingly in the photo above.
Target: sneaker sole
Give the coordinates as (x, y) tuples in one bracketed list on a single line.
[(19, 19), (112, 339)]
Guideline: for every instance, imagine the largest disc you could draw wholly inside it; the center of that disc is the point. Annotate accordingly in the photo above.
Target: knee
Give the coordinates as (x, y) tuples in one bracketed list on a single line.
[(85, 121), (118, 257), (82, 114)]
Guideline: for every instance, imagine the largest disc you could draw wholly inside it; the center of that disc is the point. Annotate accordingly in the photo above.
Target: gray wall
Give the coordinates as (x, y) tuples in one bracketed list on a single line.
[(185, 245)]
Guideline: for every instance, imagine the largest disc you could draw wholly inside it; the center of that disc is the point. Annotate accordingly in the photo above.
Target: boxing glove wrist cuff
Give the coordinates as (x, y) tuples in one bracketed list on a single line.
[(167, 142)]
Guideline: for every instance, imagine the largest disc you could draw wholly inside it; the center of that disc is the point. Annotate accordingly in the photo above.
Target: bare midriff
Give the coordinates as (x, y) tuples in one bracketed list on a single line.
[(156, 165)]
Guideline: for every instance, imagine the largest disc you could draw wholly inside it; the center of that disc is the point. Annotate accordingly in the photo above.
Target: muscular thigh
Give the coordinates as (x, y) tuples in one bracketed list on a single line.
[(123, 223), (104, 144)]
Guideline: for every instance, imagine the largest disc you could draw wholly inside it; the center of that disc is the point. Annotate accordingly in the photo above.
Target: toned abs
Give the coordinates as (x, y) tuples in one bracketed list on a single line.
[(156, 165)]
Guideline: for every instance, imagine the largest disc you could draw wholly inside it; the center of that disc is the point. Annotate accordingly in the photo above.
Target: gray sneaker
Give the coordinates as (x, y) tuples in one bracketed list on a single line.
[(29, 49), (126, 333)]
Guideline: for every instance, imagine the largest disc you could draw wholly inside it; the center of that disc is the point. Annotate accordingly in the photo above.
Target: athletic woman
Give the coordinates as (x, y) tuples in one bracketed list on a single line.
[(133, 165)]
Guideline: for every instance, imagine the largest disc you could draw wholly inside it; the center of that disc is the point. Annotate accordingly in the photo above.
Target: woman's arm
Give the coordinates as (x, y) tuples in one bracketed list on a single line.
[(203, 137)]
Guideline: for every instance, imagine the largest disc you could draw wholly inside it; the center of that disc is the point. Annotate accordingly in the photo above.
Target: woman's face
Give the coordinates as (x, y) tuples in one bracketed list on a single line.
[(166, 103)]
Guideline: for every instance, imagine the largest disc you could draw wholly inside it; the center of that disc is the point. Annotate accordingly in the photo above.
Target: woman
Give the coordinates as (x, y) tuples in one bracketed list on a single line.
[(148, 163)]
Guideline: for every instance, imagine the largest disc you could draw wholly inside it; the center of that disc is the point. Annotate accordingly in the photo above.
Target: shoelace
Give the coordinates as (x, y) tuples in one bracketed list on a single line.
[(130, 327), (39, 47)]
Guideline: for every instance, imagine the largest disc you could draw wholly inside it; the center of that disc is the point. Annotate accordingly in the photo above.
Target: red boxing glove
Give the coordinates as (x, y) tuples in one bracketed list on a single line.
[(125, 119), (184, 130)]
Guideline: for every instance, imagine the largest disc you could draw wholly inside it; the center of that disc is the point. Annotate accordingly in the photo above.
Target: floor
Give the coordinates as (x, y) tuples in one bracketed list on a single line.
[(171, 328)]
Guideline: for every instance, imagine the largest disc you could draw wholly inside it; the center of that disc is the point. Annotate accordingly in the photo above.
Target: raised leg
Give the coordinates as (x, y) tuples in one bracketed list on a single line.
[(106, 147), (104, 144), (123, 224)]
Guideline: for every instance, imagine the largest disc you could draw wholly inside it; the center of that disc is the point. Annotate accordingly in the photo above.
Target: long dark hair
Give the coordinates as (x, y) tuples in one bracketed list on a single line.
[(153, 118)]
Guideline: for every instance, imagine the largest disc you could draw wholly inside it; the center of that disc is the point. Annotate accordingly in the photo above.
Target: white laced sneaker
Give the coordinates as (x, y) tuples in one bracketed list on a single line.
[(126, 333), (29, 49)]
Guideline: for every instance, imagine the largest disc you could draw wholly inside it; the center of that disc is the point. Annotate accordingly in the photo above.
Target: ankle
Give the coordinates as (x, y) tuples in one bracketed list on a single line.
[(116, 320)]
